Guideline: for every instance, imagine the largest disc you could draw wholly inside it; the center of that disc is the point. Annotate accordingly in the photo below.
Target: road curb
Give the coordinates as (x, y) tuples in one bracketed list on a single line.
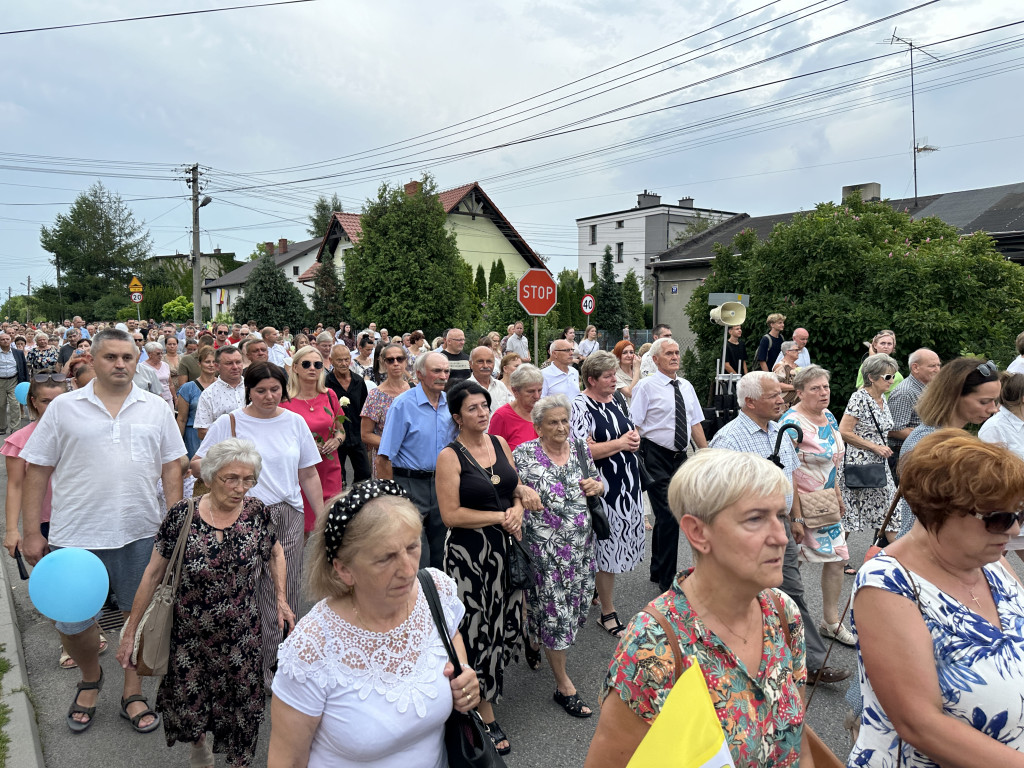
[(24, 747)]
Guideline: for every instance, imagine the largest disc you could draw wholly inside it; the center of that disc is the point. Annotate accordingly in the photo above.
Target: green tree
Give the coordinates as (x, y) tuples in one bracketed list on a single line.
[(846, 271), (481, 283), (406, 270), (179, 310), (270, 298), (633, 300), (609, 310), (97, 247), (569, 297), (320, 219), (328, 296), (693, 227), (497, 276)]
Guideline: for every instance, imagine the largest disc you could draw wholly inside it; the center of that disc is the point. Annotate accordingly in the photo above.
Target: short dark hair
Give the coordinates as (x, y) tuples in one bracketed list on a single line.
[(260, 371), (662, 327), (110, 334), (457, 395), (228, 350)]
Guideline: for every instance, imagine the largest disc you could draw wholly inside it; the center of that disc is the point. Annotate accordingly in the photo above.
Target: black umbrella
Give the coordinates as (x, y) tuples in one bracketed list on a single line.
[(774, 458)]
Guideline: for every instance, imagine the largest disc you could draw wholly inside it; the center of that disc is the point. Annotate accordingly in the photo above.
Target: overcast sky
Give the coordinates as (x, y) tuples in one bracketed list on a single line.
[(328, 96)]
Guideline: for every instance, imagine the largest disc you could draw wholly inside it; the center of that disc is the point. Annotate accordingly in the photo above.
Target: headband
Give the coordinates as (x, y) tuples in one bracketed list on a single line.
[(346, 508)]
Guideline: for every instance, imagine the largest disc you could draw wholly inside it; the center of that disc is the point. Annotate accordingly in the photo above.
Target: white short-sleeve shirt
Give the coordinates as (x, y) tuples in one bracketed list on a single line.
[(105, 469), (216, 400)]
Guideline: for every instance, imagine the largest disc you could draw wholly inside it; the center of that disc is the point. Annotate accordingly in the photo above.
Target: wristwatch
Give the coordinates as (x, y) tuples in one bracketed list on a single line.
[(798, 520)]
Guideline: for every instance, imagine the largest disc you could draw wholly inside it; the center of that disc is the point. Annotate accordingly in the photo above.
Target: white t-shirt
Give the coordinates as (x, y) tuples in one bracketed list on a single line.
[(1017, 366), (382, 699), (284, 443), (558, 383), (518, 344), (105, 469)]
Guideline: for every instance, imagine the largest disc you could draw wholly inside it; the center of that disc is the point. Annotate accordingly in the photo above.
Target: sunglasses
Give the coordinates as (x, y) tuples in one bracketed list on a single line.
[(888, 376), (390, 360), (56, 377), (222, 333), (988, 369), (312, 364), (999, 522)]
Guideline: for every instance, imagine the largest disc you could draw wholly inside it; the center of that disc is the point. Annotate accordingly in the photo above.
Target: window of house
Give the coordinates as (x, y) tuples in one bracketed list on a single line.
[(593, 271), (620, 224), (618, 252), (295, 271), (593, 234)]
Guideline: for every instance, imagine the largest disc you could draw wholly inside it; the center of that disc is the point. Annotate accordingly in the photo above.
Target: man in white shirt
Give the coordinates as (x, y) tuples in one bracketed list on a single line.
[(560, 378), (276, 353), (481, 363), (667, 413), (13, 370), (647, 364), (109, 424), (518, 343), (800, 339), (225, 395), (1017, 366)]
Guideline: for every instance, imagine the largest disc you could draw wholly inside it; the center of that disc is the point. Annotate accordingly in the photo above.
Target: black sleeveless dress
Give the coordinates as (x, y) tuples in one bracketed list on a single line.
[(476, 558)]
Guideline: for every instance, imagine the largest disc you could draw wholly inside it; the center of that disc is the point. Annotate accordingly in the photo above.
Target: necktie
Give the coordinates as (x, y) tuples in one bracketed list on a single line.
[(682, 425)]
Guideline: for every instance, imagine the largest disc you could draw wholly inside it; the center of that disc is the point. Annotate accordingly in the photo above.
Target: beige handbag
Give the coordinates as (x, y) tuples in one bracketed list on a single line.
[(152, 648), (820, 508)]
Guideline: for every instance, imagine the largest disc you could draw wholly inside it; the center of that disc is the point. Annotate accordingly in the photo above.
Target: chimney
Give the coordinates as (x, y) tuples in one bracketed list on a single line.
[(686, 202), (413, 188), (282, 245), (870, 192), (269, 247), (648, 199), (216, 250)]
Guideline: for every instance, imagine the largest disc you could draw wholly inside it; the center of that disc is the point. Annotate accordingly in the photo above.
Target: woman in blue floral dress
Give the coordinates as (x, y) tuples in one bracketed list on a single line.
[(940, 618), (560, 540)]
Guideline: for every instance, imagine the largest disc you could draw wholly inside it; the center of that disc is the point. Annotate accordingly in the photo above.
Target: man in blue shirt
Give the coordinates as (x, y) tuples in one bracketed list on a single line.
[(418, 427)]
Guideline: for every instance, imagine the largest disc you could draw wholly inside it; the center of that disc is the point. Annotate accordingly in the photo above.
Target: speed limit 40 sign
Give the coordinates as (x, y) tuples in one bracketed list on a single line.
[(587, 304)]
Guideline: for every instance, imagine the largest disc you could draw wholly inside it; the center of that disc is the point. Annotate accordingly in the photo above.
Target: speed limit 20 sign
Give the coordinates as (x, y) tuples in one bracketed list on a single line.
[(587, 304), (137, 297)]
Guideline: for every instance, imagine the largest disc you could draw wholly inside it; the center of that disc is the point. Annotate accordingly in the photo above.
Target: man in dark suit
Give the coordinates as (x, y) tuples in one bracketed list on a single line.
[(13, 371)]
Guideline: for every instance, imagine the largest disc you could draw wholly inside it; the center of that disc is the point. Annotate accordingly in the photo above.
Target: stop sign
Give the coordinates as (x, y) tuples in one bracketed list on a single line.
[(537, 292)]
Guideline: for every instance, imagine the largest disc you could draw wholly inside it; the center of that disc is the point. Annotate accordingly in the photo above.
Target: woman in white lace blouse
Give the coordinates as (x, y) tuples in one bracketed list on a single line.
[(364, 679)]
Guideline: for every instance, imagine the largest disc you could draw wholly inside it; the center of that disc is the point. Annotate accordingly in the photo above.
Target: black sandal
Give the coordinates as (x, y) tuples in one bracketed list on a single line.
[(849, 570), (572, 704), (497, 736), (533, 659), (147, 712), (76, 708), (616, 629)]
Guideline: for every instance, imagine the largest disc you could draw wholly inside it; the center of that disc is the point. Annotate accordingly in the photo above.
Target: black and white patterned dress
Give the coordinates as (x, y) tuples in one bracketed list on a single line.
[(476, 559), (620, 472)]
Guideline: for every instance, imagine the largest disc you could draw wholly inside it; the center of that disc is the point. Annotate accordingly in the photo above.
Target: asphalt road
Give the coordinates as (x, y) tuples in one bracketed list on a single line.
[(540, 732)]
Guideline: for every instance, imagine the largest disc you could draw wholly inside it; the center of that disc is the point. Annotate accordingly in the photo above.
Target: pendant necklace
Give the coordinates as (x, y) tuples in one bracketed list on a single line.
[(964, 584), (306, 402), (495, 478)]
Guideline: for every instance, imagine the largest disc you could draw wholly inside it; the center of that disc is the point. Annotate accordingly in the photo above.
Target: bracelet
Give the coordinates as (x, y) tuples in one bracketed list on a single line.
[(798, 520)]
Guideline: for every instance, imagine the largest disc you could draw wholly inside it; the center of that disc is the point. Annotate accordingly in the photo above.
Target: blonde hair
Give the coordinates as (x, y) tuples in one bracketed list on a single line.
[(376, 519), (293, 379)]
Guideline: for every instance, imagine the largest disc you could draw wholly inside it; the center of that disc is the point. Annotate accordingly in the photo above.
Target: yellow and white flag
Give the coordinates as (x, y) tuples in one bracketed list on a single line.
[(687, 732)]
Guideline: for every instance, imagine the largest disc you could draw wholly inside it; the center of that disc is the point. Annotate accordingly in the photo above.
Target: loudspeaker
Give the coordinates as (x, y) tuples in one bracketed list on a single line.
[(729, 313)]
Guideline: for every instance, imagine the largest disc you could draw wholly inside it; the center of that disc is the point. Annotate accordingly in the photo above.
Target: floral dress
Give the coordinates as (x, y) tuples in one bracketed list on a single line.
[(866, 507), (214, 679), (821, 455), (561, 543), (376, 408), (980, 667), (761, 712), (41, 360)]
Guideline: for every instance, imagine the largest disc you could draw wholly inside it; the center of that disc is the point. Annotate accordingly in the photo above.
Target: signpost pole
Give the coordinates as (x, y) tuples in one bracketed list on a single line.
[(536, 344), (138, 312)]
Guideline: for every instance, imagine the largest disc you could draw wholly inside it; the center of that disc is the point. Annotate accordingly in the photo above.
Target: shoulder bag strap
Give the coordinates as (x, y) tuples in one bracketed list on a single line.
[(670, 634), (430, 592), (465, 452), (172, 575), (581, 457), (231, 416), (871, 412), (782, 619)]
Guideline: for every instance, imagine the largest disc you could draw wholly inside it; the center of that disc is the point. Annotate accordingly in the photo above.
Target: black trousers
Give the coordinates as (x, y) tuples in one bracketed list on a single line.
[(356, 454), (662, 464), (421, 492)]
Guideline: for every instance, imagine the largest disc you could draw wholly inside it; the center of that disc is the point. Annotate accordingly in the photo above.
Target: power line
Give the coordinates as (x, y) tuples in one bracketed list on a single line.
[(154, 16)]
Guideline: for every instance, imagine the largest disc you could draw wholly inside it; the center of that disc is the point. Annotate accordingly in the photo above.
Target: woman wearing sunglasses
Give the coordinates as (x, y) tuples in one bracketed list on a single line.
[(320, 409), (940, 617), (865, 428)]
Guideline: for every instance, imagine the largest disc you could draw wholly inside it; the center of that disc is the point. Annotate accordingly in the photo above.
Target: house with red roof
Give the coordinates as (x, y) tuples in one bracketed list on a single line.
[(482, 232)]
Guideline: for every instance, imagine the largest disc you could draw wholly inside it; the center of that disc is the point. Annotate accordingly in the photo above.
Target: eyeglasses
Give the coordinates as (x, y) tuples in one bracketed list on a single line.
[(55, 377), (235, 481), (390, 360), (988, 369), (562, 349), (999, 522), (307, 364)]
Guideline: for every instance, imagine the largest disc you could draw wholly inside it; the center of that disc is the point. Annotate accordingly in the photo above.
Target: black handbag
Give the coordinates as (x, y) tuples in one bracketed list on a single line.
[(465, 735), (872, 475), (598, 519)]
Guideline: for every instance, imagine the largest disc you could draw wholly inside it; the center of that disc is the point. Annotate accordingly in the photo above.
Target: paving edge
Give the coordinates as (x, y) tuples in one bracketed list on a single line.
[(24, 748)]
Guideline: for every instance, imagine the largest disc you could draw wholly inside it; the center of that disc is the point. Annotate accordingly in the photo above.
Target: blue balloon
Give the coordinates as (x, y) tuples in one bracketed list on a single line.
[(69, 585), (21, 392)]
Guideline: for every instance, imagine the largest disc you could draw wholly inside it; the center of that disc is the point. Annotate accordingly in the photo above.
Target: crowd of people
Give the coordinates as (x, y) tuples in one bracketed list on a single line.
[(486, 472)]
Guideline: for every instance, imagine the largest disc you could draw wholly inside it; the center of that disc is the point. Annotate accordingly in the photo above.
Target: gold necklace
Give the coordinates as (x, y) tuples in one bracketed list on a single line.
[(964, 584), (495, 478), (720, 620), (306, 401), (364, 625)]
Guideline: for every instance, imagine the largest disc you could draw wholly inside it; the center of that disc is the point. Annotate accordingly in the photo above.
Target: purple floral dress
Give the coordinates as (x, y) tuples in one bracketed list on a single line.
[(562, 544), (214, 679)]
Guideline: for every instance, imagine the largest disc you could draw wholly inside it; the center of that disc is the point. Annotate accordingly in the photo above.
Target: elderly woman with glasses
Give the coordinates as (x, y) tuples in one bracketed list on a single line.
[(379, 400), (214, 680), (864, 428), (155, 360), (940, 617), (43, 357), (514, 421), (319, 407)]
